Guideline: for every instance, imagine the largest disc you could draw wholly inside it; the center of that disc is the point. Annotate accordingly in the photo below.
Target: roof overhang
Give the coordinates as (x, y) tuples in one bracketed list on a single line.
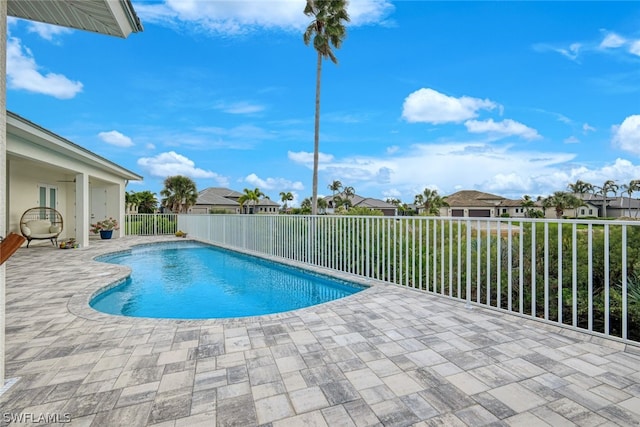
[(111, 17), (48, 140)]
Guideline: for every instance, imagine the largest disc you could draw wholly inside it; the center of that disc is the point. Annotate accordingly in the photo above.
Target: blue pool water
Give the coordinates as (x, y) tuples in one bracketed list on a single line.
[(184, 280)]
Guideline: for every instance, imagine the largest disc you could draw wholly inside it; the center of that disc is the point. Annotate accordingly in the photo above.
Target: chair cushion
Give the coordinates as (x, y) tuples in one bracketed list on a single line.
[(54, 229), (39, 226), (26, 231)]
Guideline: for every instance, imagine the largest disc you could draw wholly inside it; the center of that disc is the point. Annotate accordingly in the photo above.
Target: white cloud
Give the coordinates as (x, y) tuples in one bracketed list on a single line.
[(634, 48), (47, 31), (572, 52), (150, 146), (305, 158), (612, 40), (504, 128), (626, 136), (429, 106), (23, 73), (280, 184), (116, 138), (587, 128), (242, 107), (172, 163), (571, 140), (441, 165), (240, 17), (621, 170)]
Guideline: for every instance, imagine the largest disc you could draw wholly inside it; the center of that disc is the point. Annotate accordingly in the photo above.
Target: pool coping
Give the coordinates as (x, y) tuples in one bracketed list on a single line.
[(79, 303)]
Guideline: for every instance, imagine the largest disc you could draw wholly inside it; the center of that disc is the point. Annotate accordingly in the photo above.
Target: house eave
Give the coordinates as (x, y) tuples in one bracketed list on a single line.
[(110, 17), (35, 134)]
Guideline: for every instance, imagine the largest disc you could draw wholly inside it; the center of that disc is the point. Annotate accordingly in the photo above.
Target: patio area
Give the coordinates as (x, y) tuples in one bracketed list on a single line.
[(386, 356)]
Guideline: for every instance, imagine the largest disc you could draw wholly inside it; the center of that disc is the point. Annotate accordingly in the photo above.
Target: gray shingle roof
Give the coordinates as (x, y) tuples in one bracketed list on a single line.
[(375, 204), (224, 196), (473, 198), (211, 198), (221, 191)]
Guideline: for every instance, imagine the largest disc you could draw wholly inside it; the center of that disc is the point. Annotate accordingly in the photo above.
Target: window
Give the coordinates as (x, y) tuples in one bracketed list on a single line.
[(582, 211), (48, 196), (590, 211)]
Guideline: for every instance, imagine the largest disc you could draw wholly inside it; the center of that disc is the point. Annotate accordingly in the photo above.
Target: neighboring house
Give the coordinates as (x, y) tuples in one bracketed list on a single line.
[(588, 210), (472, 203), (365, 202), (216, 199), (45, 169), (224, 199), (617, 207), (513, 208)]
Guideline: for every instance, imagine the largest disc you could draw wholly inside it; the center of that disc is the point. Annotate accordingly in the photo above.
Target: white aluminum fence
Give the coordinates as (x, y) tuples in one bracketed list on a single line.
[(580, 274), (150, 224)]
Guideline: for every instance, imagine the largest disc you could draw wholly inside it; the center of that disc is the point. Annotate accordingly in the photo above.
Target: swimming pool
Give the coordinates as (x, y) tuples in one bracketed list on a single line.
[(190, 280)]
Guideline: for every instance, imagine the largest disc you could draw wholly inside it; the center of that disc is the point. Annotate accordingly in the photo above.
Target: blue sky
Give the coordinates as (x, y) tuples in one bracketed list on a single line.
[(511, 98)]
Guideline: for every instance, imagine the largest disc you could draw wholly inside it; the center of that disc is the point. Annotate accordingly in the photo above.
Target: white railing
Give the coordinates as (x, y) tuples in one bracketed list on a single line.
[(579, 274), (150, 224)]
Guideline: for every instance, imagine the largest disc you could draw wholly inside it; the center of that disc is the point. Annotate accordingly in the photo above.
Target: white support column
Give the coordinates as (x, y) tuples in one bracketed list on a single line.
[(121, 208), (82, 209), (4, 205)]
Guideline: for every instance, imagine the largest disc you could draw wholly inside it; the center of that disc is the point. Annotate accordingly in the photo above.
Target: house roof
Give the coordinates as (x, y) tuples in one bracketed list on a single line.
[(623, 203), (473, 198), (221, 191), (267, 202), (367, 202), (206, 197), (226, 196), (38, 135), (375, 204), (111, 17), (618, 202), (507, 203)]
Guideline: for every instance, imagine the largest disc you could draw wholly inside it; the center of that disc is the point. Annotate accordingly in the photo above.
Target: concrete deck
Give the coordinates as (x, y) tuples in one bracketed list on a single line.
[(386, 356)]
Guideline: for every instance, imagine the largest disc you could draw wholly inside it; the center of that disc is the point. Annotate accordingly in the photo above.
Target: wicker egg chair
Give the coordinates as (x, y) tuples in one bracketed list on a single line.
[(41, 223)]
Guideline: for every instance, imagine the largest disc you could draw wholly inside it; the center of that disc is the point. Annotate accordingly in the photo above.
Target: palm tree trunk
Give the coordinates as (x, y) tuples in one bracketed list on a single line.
[(316, 140)]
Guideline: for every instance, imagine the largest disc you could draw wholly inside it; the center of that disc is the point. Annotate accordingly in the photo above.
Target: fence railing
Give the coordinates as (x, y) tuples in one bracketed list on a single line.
[(150, 224), (580, 274)]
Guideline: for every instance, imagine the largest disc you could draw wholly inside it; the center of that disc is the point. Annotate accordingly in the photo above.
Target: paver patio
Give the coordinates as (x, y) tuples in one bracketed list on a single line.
[(386, 356)]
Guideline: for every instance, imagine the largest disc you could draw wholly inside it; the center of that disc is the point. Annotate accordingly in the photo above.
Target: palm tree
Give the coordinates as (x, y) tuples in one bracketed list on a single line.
[(581, 188), (527, 204), (562, 200), (147, 201), (609, 186), (322, 205), (431, 201), (251, 196), (326, 29), (335, 186), (285, 197), (348, 193), (305, 206), (131, 201), (630, 188), (179, 193)]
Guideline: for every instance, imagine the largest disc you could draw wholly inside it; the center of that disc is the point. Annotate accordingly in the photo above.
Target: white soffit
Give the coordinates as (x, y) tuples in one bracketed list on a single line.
[(111, 17)]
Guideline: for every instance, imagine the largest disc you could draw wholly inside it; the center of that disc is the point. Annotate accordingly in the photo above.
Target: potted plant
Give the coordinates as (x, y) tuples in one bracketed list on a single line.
[(105, 227)]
